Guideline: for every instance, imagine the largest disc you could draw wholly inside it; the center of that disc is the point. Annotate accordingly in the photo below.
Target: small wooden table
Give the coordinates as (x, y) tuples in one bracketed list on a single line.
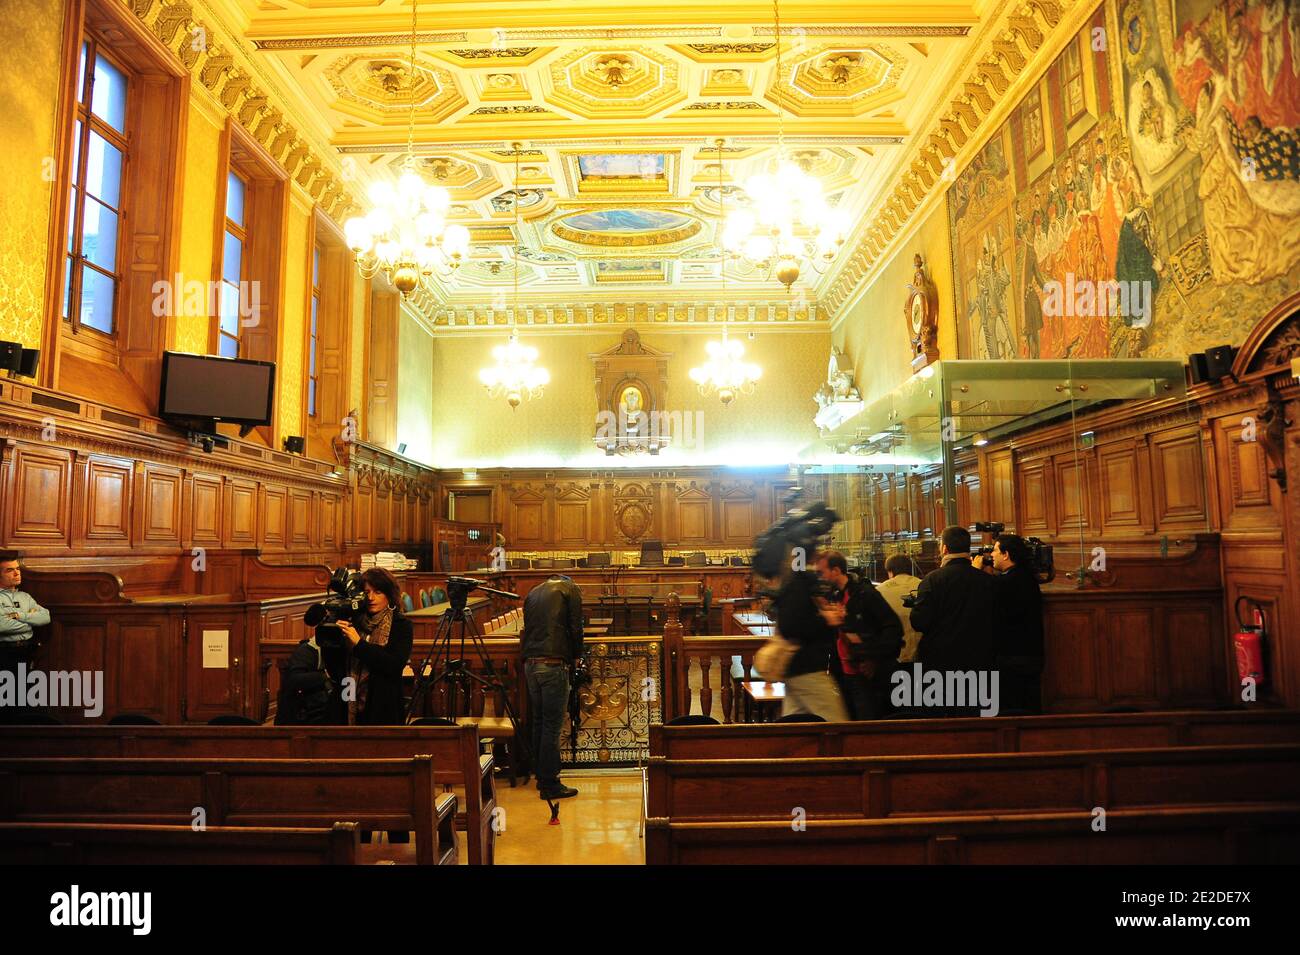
[(762, 700)]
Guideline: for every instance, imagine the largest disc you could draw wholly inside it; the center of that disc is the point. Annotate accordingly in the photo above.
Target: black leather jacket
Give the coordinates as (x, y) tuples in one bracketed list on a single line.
[(553, 620)]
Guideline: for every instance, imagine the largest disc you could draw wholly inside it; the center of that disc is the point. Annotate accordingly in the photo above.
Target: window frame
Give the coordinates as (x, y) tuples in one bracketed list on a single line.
[(240, 231), (85, 123), (313, 334)]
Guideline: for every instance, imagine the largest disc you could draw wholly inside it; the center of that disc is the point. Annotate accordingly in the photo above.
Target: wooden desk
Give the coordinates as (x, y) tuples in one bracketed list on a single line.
[(763, 630), (762, 699)]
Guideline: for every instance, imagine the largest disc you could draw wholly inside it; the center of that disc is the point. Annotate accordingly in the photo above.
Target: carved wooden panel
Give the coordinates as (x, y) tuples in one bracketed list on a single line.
[(1070, 676), (161, 497), (140, 666), (242, 526), (1195, 653), (107, 512), (275, 516), (40, 509), (1121, 488), (1035, 499), (1071, 493), (1247, 494), (362, 512), (330, 512), (693, 521), (205, 509), (1129, 641), (300, 513), (1177, 479), (1000, 504), (526, 527)]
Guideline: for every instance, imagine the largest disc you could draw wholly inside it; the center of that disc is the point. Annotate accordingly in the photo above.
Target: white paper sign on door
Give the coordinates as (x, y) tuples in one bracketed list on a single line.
[(216, 649)]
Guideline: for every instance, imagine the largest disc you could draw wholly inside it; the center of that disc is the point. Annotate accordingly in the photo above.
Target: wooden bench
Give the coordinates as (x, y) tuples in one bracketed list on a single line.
[(897, 786), (454, 749), (393, 794), (1003, 734), (44, 843), (1182, 836)]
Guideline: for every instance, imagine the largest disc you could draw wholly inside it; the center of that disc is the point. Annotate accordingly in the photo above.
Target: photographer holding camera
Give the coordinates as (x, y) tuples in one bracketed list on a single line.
[(309, 693), (550, 643), (1018, 625), (954, 612), (379, 657), (869, 642)]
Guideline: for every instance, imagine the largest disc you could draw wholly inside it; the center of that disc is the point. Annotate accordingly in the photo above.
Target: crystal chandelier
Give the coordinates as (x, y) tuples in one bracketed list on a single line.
[(790, 225), (515, 375), (406, 235), (726, 373)]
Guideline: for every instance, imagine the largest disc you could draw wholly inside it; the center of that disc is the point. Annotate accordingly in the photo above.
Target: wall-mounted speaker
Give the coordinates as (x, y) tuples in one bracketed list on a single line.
[(28, 363), (295, 444), (1218, 361), (1199, 368), (11, 356)]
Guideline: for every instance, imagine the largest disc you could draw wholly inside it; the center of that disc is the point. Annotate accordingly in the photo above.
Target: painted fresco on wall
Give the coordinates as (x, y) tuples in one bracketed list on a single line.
[(1142, 199)]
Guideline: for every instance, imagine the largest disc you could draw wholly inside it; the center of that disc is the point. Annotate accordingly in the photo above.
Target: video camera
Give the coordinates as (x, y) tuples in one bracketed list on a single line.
[(345, 600), (1040, 554), (800, 527)]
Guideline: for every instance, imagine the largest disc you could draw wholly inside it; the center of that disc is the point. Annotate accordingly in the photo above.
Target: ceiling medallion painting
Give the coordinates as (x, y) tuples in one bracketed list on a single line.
[(624, 228)]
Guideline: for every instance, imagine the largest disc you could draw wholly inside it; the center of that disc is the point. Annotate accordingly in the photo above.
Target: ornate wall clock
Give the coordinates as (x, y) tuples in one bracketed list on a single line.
[(921, 312)]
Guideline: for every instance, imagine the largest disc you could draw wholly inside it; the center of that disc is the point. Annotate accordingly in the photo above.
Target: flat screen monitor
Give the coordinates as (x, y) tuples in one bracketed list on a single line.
[(206, 387)]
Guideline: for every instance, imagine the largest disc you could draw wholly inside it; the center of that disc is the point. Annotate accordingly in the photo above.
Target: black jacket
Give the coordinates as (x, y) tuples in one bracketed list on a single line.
[(1018, 615), (800, 622), (385, 664), (552, 620), (307, 694), (954, 613), (869, 615)]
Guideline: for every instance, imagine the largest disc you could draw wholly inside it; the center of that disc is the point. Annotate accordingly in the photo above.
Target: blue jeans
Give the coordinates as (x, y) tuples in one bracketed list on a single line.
[(548, 703)]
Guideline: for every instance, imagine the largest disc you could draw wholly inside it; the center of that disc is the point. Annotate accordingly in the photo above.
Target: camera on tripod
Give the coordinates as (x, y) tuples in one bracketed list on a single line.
[(345, 600)]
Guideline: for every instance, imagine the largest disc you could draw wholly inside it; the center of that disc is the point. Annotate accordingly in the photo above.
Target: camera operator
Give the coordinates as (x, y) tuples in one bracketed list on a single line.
[(954, 612), (1018, 625), (901, 583), (551, 641), (869, 640), (379, 658)]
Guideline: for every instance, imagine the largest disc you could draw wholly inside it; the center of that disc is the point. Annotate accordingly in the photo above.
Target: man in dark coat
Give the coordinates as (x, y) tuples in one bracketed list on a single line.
[(954, 613), (551, 641), (1017, 626), (870, 639)]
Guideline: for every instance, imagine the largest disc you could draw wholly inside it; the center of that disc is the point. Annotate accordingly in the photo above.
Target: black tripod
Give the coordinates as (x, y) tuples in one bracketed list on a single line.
[(453, 672)]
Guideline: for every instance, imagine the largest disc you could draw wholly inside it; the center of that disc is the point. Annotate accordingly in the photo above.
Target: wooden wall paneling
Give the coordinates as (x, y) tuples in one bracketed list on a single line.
[(1123, 488), (381, 528), (274, 521), (1129, 644), (1000, 502), (738, 514), (1194, 660), (301, 532), (142, 663), (1072, 676), (214, 690), (1178, 479), (160, 497), (572, 517), (1037, 511), (241, 513), (694, 505), (1072, 498), (39, 512), (362, 512), (1248, 498), (106, 502), (527, 527), (330, 512)]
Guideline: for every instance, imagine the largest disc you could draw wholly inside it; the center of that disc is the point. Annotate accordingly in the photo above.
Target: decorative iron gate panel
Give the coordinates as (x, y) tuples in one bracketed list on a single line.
[(624, 698)]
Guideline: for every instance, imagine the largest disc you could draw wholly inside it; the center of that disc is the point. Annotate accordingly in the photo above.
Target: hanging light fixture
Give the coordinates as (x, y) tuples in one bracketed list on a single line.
[(406, 235), (515, 375), (726, 373), (791, 225)]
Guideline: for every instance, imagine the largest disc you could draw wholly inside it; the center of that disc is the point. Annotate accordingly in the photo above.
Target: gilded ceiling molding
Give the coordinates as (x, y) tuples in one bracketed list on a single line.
[(701, 315), (1016, 35), (193, 40), (875, 30), (357, 40)]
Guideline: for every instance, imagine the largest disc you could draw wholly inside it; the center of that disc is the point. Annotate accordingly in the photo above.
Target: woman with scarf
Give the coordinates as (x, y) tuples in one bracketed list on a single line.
[(379, 658)]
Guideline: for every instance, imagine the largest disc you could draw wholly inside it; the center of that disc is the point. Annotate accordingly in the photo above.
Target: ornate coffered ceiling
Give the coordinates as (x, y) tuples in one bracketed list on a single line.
[(617, 108)]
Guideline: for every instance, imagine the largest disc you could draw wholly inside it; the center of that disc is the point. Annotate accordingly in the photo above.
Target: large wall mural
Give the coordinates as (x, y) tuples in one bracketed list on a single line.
[(1143, 199)]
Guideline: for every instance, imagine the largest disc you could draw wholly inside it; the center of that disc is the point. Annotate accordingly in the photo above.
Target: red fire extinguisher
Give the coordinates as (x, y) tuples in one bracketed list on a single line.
[(1248, 642)]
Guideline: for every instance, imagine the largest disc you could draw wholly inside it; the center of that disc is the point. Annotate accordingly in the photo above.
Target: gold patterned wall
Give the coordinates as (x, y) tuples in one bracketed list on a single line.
[(293, 318), (199, 201), (771, 425), (31, 33), (414, 389), (357, 362), (874, 334)]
